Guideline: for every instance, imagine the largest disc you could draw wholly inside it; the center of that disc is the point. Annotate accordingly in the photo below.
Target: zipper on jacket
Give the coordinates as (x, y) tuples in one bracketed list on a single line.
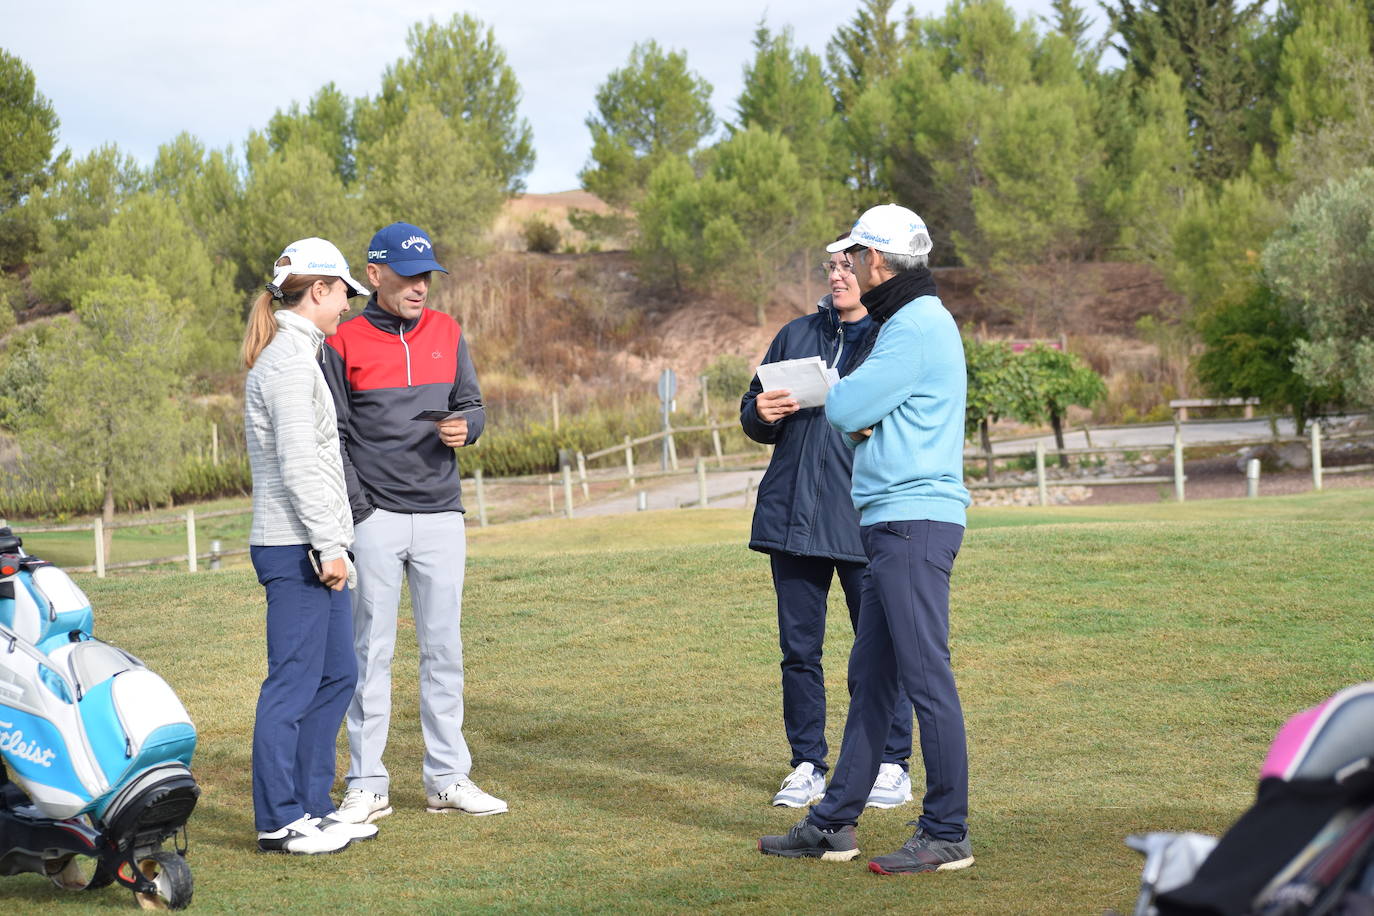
[(402, 334), (839, 346)]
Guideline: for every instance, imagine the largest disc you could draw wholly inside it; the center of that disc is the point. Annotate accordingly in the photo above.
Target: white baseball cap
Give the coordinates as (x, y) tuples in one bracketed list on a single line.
[(891, 228), (317, 257)]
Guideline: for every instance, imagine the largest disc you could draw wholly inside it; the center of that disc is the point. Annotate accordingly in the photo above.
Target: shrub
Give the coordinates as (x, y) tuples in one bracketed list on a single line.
[(541, 236), (728, 378)]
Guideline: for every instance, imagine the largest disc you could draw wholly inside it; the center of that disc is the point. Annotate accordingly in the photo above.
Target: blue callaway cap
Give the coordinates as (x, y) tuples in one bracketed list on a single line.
[(404, 248)]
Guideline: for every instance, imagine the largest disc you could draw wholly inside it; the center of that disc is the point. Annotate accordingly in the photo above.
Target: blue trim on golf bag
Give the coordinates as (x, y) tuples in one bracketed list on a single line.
[(82, 721), (43, 605)]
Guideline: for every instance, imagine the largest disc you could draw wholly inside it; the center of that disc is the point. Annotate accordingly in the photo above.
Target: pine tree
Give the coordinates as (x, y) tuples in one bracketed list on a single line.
[(1153, 176), (460, 70), (735, 226), (422, 172), (28, 133), (862, 53), (326, 122), (785, 91), (1207, 44), (107, 399), (651, 109), (80, 199)]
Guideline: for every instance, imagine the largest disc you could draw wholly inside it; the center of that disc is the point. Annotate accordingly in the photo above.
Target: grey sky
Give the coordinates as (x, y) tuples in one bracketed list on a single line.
[(138, 72)]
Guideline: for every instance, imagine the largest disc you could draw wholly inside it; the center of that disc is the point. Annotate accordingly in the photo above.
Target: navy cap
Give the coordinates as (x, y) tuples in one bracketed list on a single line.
[(404, 248)]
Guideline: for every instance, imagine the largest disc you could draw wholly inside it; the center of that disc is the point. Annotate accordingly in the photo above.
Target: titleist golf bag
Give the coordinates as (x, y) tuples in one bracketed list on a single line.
[(95, 749)]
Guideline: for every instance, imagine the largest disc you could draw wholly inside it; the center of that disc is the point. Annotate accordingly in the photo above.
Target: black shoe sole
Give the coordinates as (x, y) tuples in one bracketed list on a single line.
[(826, 855), (287, 852), (957, 864)]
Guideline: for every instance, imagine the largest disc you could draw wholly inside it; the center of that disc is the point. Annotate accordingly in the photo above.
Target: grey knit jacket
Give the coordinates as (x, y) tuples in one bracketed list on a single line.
[(299, 495)]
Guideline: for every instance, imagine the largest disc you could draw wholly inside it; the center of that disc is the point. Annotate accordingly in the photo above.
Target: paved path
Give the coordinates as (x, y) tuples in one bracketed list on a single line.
[(1194, 433), (726, 488)]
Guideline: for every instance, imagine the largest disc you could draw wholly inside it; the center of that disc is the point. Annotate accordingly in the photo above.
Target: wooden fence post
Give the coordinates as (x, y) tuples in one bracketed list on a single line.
[(98, 527), (1316, 455), (629, 462), (582, 475), (701, 482), (715, 443), (1252, 476), (191, 539), (672, 449), (214, 443), (1178, 464), (1040, 473), (567, 492), (481, 498)]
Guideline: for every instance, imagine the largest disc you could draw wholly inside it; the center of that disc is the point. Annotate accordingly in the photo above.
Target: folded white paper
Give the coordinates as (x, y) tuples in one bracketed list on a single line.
[(808, 379)]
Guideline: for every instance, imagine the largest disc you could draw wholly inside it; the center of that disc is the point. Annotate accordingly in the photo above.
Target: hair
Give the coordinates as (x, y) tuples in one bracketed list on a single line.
[(262, 327), (900, 263)]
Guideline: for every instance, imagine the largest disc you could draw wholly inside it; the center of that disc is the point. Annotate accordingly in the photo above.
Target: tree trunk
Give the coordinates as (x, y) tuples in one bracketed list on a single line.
[(1058, 423), (987, 444), (107, 516)]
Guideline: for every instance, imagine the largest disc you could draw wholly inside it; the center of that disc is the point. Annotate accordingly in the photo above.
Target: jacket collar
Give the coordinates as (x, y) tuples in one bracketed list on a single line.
[(826, 307), (290, 322), (384, 321)]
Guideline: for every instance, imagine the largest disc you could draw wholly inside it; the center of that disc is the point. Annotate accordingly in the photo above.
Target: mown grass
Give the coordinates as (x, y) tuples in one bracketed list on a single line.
[(1122, 669)]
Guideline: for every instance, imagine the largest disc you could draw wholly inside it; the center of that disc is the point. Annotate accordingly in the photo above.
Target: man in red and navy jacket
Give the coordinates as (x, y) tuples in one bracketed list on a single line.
[(384, 368)]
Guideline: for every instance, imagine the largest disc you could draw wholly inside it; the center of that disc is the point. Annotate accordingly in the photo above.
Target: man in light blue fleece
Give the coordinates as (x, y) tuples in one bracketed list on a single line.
[(903, 411)]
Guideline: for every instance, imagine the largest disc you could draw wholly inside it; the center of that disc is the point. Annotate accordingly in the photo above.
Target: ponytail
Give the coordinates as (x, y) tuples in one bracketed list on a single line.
[(262, 325)]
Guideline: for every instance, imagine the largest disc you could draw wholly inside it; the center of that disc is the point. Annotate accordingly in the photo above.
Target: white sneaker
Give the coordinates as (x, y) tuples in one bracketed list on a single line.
[(362, 807), (802, 786), (464, 796), (891, 788), (331, 825), (301, 837)]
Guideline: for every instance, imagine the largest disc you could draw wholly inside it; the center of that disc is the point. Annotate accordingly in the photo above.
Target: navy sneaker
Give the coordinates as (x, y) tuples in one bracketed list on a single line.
[(807, 841), (924, 853)]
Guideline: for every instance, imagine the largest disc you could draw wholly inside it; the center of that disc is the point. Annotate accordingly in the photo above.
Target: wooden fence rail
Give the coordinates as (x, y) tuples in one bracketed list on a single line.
[(631, 476)]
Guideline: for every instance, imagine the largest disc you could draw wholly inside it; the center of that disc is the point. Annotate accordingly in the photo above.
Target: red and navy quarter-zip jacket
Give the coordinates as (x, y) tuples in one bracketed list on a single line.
[(382, 371)]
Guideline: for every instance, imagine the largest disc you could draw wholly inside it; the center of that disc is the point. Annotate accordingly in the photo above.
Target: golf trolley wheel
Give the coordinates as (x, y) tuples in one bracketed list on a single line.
[(171, 874), (71, 874)]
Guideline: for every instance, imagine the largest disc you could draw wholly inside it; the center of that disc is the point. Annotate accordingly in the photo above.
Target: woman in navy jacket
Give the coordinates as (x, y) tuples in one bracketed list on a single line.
[(805, 521)]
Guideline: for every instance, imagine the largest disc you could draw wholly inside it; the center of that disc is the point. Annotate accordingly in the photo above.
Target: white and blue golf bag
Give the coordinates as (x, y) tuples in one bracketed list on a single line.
[(89, 736)]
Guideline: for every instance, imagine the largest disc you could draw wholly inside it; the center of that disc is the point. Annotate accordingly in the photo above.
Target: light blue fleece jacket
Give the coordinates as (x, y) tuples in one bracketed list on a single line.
[(911, 390)]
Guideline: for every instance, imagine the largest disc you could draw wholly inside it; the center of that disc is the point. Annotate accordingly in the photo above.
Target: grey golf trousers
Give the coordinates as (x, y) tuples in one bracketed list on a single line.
[(431, 550)]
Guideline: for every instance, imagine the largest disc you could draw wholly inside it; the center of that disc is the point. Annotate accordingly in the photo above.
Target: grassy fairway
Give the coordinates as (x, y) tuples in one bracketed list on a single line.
[(1122, 669)]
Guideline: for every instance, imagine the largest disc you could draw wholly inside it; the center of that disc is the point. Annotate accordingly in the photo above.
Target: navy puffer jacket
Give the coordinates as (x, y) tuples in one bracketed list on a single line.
[(804, 507)]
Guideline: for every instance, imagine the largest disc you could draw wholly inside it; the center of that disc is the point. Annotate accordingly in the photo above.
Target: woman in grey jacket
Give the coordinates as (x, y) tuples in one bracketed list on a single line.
[(302, 528)]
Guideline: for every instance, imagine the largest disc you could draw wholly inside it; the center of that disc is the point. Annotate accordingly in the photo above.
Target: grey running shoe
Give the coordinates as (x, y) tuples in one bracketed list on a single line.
[(807, 841), (924, 853), (891, 788), (801, 787)]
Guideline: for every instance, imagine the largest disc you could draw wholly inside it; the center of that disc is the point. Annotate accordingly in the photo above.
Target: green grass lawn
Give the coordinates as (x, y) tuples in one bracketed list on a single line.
[(1122, 669)]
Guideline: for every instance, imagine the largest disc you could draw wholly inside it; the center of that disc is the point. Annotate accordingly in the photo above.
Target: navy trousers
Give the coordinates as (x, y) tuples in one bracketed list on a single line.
[(311, 672), (903, 641), (802, 585)]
